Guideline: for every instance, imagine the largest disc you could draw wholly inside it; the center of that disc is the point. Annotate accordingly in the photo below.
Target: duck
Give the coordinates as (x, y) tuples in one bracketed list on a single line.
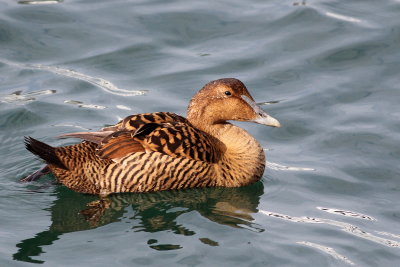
[(159, 151)]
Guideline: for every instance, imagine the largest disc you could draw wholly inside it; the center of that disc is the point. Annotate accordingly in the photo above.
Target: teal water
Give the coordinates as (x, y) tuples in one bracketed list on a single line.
[(330, 195)]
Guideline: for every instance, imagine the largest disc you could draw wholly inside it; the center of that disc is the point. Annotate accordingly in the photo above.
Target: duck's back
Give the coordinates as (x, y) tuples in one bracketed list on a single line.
[(143, 152), (134, 122)]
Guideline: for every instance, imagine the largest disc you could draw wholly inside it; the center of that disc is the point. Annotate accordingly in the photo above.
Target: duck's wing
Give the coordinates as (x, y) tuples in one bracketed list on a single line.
[(118, 145), (176, 139), (134, 122), (163, 132), (130, 123)]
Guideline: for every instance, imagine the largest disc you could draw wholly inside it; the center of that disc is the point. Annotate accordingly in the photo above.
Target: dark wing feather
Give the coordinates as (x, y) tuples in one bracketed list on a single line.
[(130, 123), (133, 122), (146, 129), (183, 140)]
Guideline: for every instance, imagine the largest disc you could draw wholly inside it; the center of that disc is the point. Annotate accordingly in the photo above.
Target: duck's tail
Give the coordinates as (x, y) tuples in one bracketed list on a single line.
[(44, 151)]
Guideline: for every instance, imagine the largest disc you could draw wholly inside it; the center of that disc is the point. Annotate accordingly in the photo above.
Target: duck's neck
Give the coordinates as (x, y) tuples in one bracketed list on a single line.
[(243, 160)]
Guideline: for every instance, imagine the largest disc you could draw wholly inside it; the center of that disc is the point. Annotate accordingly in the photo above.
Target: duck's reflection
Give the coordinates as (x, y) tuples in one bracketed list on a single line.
[(153, 212)]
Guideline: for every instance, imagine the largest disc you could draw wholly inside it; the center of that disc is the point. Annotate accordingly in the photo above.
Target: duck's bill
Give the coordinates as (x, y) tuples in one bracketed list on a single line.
[(261, 116), (266, 119)]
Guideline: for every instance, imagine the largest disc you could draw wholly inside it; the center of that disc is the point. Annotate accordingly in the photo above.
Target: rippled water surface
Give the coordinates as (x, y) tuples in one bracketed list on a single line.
[(328, 70)]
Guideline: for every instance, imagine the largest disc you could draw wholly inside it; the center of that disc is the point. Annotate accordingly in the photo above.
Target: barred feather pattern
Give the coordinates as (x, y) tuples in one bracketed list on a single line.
[(84, 167), (155, 171), (145, 172), (138, 172)]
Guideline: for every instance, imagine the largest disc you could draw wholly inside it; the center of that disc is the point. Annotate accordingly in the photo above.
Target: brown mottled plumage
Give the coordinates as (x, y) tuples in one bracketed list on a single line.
[(162, 151)]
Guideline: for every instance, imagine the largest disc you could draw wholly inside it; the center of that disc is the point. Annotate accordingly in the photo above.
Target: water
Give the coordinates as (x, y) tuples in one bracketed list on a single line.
[(330, 194)]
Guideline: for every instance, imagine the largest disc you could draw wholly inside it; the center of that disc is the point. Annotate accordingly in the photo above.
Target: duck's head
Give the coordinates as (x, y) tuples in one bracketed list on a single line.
[(226, 99)]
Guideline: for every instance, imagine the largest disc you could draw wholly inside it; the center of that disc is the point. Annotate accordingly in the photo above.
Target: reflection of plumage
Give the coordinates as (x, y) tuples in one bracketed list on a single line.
[(161, 151), (154, 212)]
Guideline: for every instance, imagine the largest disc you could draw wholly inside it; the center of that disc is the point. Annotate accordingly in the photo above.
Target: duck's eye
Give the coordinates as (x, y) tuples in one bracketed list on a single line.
[(228, 93)]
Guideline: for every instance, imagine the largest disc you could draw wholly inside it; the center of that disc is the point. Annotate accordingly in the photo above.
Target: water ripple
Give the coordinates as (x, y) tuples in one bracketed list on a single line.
[(40, 2), (269, 102), (327, 250), (100, 82), (342, 17), (388, 234), (71, 125), (21, 98), (347, 227), (347, 213), (83, 105), (279, 167), (123, 107)]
